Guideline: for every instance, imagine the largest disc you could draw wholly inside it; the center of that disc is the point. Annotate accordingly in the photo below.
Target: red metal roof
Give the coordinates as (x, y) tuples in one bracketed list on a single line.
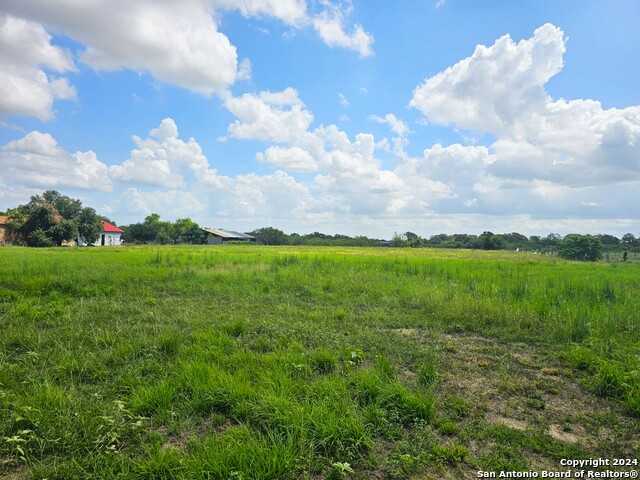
[(110, 228)]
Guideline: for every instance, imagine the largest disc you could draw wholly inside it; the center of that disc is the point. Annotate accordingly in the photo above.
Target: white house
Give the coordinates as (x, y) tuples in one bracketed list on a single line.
[(111, 236)]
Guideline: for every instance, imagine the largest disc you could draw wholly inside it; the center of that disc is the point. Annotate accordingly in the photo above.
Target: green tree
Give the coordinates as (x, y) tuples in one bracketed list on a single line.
[(134, 233), (581, 247), (628, 240), (63, 231), (40, 217), (186, 230), (440, 239), (51, 215), (68, 207), (490, 241), (413, 239), (39, 238), (165, 235), (608, 240), (89, 225), (154, 230), (26, 219), (270, 236), (398, 240)]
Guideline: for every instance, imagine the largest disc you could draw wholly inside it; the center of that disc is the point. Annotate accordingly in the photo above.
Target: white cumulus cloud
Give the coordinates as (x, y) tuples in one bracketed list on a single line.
[(293, 159), (165, 160), (292, 12), (330, 27), (30, 63), (175, 42), (501, 90), (496, 86), (37, 161), (269, 116)]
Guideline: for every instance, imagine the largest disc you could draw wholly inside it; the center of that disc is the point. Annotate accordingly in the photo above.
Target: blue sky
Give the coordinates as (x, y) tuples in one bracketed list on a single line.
[(366, 131)]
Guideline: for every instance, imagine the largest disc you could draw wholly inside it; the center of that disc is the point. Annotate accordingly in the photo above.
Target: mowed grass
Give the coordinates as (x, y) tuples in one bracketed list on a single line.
[(250, 362)]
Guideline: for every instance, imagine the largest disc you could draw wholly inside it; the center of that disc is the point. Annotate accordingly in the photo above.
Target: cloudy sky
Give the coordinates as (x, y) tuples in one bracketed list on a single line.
[(356, 117)]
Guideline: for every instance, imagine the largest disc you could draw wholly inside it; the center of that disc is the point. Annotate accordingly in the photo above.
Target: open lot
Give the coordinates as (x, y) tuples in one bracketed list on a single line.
[(249, 362)]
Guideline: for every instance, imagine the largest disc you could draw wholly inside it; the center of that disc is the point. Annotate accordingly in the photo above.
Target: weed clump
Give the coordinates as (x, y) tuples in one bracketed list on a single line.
[(607, 378), (449, 454), (427, 375), (322, 362)]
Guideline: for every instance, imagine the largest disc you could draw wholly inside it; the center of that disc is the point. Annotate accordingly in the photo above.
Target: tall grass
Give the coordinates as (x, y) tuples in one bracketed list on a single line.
[(277, 362)]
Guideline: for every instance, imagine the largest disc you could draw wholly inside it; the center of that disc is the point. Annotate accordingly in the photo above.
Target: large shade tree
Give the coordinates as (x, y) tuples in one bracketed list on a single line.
[(52, 219)]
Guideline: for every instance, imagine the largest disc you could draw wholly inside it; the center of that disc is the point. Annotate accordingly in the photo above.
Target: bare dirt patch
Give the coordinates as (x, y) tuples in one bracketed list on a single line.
[(557, 432), (18, 473), (526, 388), (405, 332), (207, 426)]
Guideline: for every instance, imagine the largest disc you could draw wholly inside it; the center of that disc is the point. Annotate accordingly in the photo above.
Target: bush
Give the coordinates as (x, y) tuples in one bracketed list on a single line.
[(581, 247)]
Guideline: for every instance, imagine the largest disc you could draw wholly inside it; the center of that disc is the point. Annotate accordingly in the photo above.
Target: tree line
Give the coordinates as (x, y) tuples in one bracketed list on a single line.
[(51, 219), (511, 241), (274, 236), (572, 246)]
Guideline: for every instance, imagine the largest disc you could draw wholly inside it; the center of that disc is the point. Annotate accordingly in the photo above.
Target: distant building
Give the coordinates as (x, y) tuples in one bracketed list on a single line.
[(111, 236), (4, 230), (218, 235)]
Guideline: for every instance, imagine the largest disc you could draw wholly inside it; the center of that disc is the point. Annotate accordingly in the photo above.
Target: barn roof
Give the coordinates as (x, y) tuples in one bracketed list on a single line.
[(110, 228), (227, 234)]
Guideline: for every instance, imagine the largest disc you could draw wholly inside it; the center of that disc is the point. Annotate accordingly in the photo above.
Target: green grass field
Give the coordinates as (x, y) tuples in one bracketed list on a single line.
[(249, 362)]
